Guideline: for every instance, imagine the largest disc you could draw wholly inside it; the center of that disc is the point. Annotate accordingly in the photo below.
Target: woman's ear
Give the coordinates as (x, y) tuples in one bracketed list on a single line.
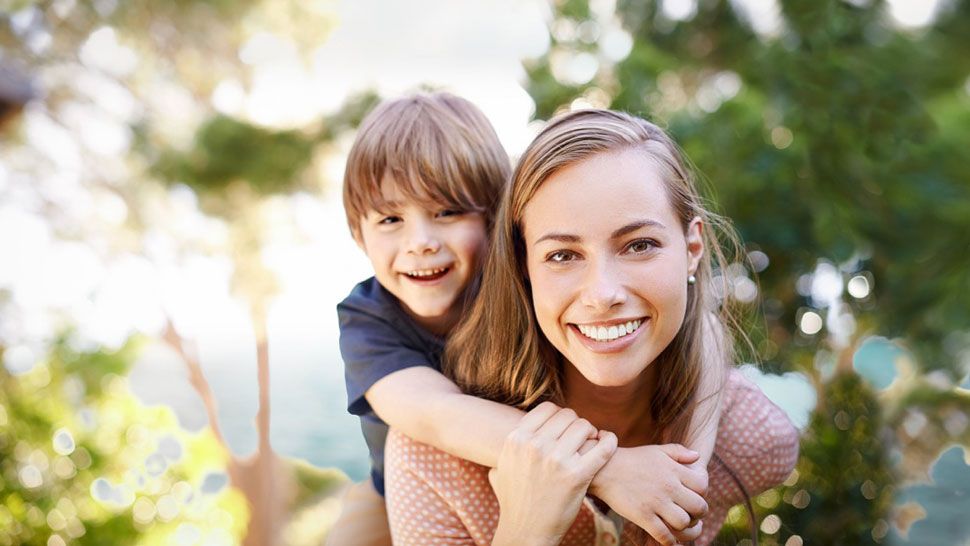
[(695, 244)]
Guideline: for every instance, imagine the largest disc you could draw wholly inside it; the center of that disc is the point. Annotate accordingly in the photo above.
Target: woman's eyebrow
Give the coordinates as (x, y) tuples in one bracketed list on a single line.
[(634, 226), (620, 232), (561, 237)]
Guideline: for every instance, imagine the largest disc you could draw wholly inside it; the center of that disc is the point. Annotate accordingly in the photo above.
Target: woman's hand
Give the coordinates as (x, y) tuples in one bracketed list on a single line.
[(660, 488), (543, 473)]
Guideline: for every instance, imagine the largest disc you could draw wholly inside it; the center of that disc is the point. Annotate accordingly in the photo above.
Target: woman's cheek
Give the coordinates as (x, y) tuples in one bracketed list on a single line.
[(546, 300)]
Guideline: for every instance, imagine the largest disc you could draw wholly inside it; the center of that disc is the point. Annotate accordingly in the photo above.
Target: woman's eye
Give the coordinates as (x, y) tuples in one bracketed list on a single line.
[(560, 256), (641, 246)]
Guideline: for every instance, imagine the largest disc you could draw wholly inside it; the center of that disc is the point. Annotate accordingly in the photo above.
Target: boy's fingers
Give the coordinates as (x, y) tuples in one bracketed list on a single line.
[(691, 533), (659, 531), (676, 518), (696, 479), (680, 453), (537, 417), (692, 503)]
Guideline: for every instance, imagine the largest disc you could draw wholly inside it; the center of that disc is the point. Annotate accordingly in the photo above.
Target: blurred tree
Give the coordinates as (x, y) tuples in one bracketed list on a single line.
[(126, 85), (83, 462), (842, 489)]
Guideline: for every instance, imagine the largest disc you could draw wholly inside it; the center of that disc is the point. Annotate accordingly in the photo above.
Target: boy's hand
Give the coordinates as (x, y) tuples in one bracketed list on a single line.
[(658, 488)]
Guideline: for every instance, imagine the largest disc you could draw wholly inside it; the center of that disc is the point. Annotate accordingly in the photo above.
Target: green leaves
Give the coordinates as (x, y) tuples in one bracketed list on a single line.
[(226, 150), (83, 461)]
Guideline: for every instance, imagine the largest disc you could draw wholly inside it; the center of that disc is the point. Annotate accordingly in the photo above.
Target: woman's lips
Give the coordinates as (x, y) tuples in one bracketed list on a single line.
[(610, 346)]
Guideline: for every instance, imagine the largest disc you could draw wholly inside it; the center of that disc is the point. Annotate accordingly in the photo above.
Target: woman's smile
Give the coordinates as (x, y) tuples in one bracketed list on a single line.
[(611, 336)]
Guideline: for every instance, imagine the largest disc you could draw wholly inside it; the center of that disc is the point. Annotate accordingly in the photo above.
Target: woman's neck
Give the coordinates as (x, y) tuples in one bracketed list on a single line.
[(623, 410)]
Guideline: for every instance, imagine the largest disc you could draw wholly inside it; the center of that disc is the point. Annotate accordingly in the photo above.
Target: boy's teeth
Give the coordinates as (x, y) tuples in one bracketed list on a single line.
[(602, 333), (426, 272)]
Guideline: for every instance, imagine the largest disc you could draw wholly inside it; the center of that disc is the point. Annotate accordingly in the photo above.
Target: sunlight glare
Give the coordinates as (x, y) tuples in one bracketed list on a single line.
[(913, 13), (102, 51)]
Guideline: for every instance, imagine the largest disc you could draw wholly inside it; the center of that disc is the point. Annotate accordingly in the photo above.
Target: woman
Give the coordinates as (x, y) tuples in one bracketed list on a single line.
[(602, 243)]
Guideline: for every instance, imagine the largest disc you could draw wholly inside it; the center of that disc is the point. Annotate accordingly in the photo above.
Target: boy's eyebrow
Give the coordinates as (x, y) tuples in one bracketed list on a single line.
[(383, 205), (620, 232)]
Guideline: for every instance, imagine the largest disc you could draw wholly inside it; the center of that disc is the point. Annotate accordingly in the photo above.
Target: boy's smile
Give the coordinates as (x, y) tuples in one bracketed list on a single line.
[(426, 255)]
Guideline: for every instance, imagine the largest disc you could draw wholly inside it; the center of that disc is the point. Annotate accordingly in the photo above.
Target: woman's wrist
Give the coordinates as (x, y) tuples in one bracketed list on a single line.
[(603, 479)]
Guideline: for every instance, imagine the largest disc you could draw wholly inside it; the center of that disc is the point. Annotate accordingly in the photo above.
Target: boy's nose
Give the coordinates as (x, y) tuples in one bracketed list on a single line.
[(423, 241)]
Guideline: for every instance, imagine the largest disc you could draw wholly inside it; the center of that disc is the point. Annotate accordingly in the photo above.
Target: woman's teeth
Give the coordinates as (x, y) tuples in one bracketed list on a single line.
[(609, 333), (426, 272)]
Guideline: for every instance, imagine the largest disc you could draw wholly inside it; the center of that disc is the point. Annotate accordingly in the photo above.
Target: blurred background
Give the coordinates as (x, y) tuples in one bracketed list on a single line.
[(172, 242)]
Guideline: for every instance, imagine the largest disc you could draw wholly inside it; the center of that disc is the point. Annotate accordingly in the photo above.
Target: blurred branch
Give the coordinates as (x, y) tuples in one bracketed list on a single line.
[(196, 379)]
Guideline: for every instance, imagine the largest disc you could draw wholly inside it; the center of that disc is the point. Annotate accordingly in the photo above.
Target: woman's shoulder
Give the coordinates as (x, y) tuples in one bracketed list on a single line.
[(745, 403), (430, 464), (431, 493), (755, 440)]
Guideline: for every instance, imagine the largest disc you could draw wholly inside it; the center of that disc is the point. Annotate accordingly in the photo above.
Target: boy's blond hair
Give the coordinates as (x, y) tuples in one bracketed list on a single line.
[(439, 148)]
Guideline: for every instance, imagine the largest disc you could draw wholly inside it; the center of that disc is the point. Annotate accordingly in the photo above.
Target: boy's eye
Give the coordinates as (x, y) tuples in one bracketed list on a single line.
[(641, 246), (560, 256), (386, 220), (450, 212)]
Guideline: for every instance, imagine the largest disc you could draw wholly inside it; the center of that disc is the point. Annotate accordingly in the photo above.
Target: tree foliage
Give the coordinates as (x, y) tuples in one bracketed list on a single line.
[(83, 462)]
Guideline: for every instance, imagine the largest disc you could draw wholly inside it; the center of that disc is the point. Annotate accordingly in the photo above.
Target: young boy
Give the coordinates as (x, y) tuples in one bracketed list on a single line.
[(420, 191)]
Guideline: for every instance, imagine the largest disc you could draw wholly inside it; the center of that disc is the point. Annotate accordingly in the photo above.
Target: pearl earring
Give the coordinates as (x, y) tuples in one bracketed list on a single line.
[(691, 279)]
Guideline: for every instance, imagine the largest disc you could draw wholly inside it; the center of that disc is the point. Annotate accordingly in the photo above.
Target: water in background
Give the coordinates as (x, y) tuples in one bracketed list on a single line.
[(309, 419), (308, 415)]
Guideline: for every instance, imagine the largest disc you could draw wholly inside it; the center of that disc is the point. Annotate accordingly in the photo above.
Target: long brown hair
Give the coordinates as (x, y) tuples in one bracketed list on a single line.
[(498, 351)]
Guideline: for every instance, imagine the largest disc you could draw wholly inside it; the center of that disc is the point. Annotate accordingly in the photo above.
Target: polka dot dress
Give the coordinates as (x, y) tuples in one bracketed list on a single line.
[(434, 498)]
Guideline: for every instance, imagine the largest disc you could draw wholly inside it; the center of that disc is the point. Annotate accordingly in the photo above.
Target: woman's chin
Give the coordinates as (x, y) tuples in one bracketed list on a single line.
[(608, 378)]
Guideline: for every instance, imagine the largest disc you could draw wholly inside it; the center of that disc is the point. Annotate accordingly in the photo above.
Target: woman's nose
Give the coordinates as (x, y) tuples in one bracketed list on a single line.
[(602, 287)]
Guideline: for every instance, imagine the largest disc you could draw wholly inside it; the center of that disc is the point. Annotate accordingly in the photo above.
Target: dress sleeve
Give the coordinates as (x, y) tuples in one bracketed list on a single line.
[(433, 498), (371, 348), (756, 445)]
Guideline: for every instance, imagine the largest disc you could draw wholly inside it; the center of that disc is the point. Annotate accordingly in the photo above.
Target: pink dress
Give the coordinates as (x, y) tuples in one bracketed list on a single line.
[(434, 498)]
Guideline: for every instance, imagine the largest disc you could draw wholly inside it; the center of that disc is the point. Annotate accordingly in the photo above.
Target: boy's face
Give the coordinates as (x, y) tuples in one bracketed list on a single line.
[(425, 257)]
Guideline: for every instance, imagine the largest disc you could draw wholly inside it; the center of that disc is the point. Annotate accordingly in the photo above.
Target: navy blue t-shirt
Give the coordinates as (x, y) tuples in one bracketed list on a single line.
[(378, 338)]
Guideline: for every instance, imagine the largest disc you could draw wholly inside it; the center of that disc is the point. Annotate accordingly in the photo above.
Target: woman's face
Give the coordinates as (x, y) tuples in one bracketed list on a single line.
[(608, 262)]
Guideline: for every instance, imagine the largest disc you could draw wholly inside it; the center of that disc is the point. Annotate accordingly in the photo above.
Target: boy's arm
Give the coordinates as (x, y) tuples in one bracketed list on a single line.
[(425, 405)]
